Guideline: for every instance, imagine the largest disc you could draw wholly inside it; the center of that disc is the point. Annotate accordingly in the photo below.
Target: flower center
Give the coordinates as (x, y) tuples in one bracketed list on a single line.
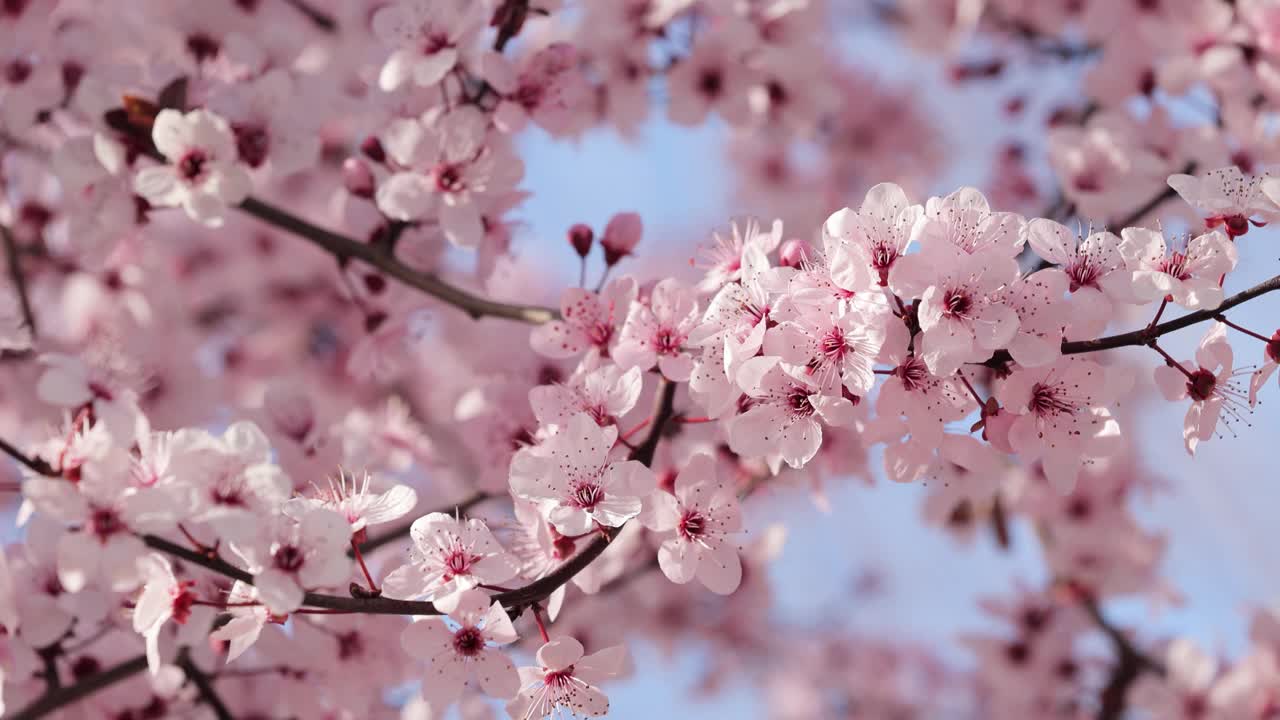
[(201, 46), (17, 72), (883, 255), (183, 599), (252, 144), (434, 42), (350, 645), (289, 558), (1201, 384), (468, 642), (1176, 266), (191, 165), (799, 403), (957, 303), (1046, 400), (667, 341), (105, 523), (449, 179), (458, 562), (710, 83), (693, 525), (558, 678), (913, 374), (600, 334), (1083, 273), (833, 344), (587, 495)]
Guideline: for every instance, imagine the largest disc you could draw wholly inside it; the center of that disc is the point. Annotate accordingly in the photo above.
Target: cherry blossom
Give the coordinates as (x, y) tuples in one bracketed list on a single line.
[(591, 321), (163, 598), (351, 496), (657, 332), (1228, 197), (565, 680), (204, 175), (694, 523), (1095, 267), (881, 228), (449, 556), (1190, 276), (784, 413), (426, 37), (573, 476), (292, 556), (606, 393), (471, 651), (1209, 385), (1270, 361)]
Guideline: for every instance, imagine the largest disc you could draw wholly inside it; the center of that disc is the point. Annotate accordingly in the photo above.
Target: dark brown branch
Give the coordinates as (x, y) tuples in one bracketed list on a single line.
[(1129, 665), (1147, 335), (35, 464), (343, 248), (51, 702), (320, 19), (204, 684), (12, 257)]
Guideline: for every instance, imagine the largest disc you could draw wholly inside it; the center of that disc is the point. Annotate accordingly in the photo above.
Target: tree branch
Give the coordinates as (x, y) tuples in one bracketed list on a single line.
[(344, 248), (320, 19), (19, 279), (1146, 335), (204, 684), (51, 702), (1129, 666), (35, 464)]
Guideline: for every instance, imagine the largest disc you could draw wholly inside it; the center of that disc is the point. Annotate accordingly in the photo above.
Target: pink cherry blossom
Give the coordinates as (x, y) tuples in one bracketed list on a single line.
[(565, 680), (591, 321), (783, 415), (1270, 361), (1190, 276), (426, 37), (448, 165), (351, 496), (293, 555), (880, 229), (469, 652), (204, 175), (1229, 198), (1209, 383), (1061, 416), (550, 89), (574, 477), (1095, 268), (696, 524), (449, 556), (725, 259), (606, 393), (657, 332), (834, 350), (163, 598)]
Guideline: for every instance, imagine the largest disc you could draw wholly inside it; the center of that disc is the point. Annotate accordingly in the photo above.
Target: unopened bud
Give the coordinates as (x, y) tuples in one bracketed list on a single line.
[(372, 149), (580, 237), (621, 236), (793, 252), (357, 178)]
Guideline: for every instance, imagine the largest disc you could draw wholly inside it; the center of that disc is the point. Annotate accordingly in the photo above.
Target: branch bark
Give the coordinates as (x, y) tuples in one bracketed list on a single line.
[(343, 248), (51, 702), (204, 684)]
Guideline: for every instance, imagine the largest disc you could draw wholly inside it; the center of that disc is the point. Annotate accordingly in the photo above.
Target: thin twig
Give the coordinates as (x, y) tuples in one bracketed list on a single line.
[(37, 465), (320, 19)]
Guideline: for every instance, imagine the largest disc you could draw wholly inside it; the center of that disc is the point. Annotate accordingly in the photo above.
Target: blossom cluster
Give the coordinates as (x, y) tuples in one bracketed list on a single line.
[(216, 430)]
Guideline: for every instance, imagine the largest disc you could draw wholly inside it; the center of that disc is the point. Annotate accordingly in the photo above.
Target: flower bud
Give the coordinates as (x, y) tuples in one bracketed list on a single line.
[(357, 177), (372, 149), (793, 252), (621, 236), (581, 237)]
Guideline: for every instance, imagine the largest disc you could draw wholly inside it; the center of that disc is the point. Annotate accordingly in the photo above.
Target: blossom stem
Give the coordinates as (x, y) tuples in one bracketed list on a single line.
[(1169, 359), (199, 546), (220, 604), (373, 586), (977, 398), (1223, 319), (643, 424), (537, 618), (694, 420), (1164, 303), (320, 19), (603, 277)]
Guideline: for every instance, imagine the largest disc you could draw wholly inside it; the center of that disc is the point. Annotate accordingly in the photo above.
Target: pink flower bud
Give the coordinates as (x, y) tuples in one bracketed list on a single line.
[(621, 236), (357, 177), (372, 149), (793, 252), (580, 237)]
